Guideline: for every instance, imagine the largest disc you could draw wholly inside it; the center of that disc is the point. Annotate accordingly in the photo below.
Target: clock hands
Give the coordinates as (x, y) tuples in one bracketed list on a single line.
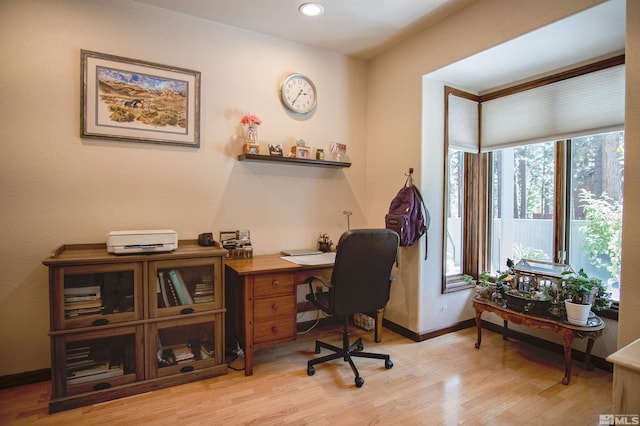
[(301, 92)]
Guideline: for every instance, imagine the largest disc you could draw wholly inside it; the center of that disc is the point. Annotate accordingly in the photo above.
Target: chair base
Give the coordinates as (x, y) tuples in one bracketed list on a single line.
[(346, 352)]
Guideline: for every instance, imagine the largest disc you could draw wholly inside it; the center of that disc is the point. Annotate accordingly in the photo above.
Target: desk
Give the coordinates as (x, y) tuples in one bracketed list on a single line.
[(260, 293), (566, 330)]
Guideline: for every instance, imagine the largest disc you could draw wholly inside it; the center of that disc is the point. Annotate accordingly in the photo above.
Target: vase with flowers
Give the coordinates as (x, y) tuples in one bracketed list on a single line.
[(251, 123)]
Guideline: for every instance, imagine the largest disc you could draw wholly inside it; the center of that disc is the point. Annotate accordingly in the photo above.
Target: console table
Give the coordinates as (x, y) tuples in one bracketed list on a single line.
[(568, 331), (262, 301)]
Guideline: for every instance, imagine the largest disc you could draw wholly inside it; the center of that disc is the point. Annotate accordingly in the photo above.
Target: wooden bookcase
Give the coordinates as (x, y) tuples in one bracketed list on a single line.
[(122, 325)]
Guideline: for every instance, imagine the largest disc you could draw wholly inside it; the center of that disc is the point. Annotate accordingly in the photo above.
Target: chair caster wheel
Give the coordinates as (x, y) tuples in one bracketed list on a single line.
[(311, 371), (388, 364), (359, 382), (359, 347)]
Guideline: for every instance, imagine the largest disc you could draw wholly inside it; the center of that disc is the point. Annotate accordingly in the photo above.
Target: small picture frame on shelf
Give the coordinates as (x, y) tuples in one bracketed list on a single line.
[(301, 151), (251, 148), (275, 150), (339, 152)]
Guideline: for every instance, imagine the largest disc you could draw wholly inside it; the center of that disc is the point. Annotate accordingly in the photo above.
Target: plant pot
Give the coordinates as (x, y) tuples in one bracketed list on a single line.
[(577, 314)]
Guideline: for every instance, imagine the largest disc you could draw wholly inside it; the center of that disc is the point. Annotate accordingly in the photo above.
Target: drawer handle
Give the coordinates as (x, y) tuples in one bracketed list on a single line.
[(186, 369), (275, 283), (274, 329), (186, 311), (101, 386), (274, 307), (101, 321)]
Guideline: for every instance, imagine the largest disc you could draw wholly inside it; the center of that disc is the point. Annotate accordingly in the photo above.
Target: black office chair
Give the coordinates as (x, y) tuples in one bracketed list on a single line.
[(360, 283)]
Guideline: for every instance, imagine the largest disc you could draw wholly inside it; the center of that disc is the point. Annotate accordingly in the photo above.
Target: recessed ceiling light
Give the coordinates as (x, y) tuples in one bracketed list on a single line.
[(311, 9)]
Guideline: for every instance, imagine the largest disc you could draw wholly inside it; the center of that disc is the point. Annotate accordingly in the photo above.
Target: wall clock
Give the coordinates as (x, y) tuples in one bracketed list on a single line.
[(298, 94)]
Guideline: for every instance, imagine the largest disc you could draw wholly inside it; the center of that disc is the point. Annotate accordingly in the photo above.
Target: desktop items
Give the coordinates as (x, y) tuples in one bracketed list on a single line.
[(206, 239), (238, 243), (324, 243)]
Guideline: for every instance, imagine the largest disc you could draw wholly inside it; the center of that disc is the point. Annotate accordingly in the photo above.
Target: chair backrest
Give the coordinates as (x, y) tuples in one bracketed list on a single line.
[(361, 275)]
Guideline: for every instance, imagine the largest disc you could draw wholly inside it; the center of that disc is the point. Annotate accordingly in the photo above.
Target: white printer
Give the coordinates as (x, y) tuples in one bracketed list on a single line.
[(142, 241)]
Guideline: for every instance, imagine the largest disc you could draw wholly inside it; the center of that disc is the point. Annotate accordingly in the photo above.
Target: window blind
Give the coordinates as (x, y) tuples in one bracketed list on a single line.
[(588, 104), (462, 125)]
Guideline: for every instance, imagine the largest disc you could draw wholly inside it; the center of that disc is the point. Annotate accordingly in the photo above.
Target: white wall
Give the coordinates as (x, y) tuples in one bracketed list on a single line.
[(56, 188)]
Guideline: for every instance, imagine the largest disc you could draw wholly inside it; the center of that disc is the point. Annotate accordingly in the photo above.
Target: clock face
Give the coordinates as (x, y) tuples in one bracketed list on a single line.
[(298, 94)]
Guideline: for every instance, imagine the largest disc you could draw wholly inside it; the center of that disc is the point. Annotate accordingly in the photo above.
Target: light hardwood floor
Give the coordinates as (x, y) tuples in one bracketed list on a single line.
[(441, 381)]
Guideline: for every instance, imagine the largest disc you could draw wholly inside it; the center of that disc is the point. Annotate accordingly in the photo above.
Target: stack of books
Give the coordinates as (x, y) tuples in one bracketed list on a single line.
[(183, 354), (82, 301), (82, 367), (204, 290)]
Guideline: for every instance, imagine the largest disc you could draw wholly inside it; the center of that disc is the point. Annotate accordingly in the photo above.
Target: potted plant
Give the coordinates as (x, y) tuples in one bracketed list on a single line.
[(483, 286), (580, 292)]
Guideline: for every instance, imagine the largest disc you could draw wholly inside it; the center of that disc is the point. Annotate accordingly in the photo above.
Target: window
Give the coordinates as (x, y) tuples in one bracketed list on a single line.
[(454, 209), (527, 212), (547, 183), (522, 204), (461, 190), (595, 206)]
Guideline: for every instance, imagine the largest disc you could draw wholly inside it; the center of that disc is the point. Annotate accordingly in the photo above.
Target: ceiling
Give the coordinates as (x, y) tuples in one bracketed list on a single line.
[(360, 28), (365, 28)]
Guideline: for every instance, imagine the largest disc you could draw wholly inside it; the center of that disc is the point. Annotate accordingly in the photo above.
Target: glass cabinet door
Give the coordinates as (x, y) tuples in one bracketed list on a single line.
[(97, 294), (185, 286), (98, 360), (185, 345)]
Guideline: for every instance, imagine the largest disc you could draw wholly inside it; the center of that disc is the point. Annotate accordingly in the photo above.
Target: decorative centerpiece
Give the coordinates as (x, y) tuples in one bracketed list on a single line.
[(535, 286), (251, 123)]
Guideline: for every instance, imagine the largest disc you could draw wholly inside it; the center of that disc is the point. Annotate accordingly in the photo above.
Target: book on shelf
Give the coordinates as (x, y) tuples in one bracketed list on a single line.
[(97, 375), (183, 353), (204, 291), (92, 290), (82, 305), (81, 312), (167, 287), (163, 297), (180, 287), (79, 301)]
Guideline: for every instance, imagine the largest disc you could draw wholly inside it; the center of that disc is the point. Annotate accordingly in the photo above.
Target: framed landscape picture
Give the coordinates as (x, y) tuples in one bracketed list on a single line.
[(137, 101)]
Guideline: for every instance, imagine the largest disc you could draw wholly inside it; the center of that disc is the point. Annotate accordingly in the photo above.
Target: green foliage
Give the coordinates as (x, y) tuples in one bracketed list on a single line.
[(603, 231), (520, 252), (583, 289)]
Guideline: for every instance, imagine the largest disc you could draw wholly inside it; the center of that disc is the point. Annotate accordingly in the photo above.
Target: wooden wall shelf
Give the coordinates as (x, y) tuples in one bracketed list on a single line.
[(289, 160)]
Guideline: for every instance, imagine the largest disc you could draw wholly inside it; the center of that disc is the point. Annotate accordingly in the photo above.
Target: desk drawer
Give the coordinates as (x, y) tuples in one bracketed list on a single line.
[(268, 285), (264, 309), (275, 328)]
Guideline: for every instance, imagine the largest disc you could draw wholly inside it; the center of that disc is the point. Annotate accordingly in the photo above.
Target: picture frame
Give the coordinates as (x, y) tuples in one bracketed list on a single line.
[(275, 150), (301, 151), (251, 148), (132, 100)]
